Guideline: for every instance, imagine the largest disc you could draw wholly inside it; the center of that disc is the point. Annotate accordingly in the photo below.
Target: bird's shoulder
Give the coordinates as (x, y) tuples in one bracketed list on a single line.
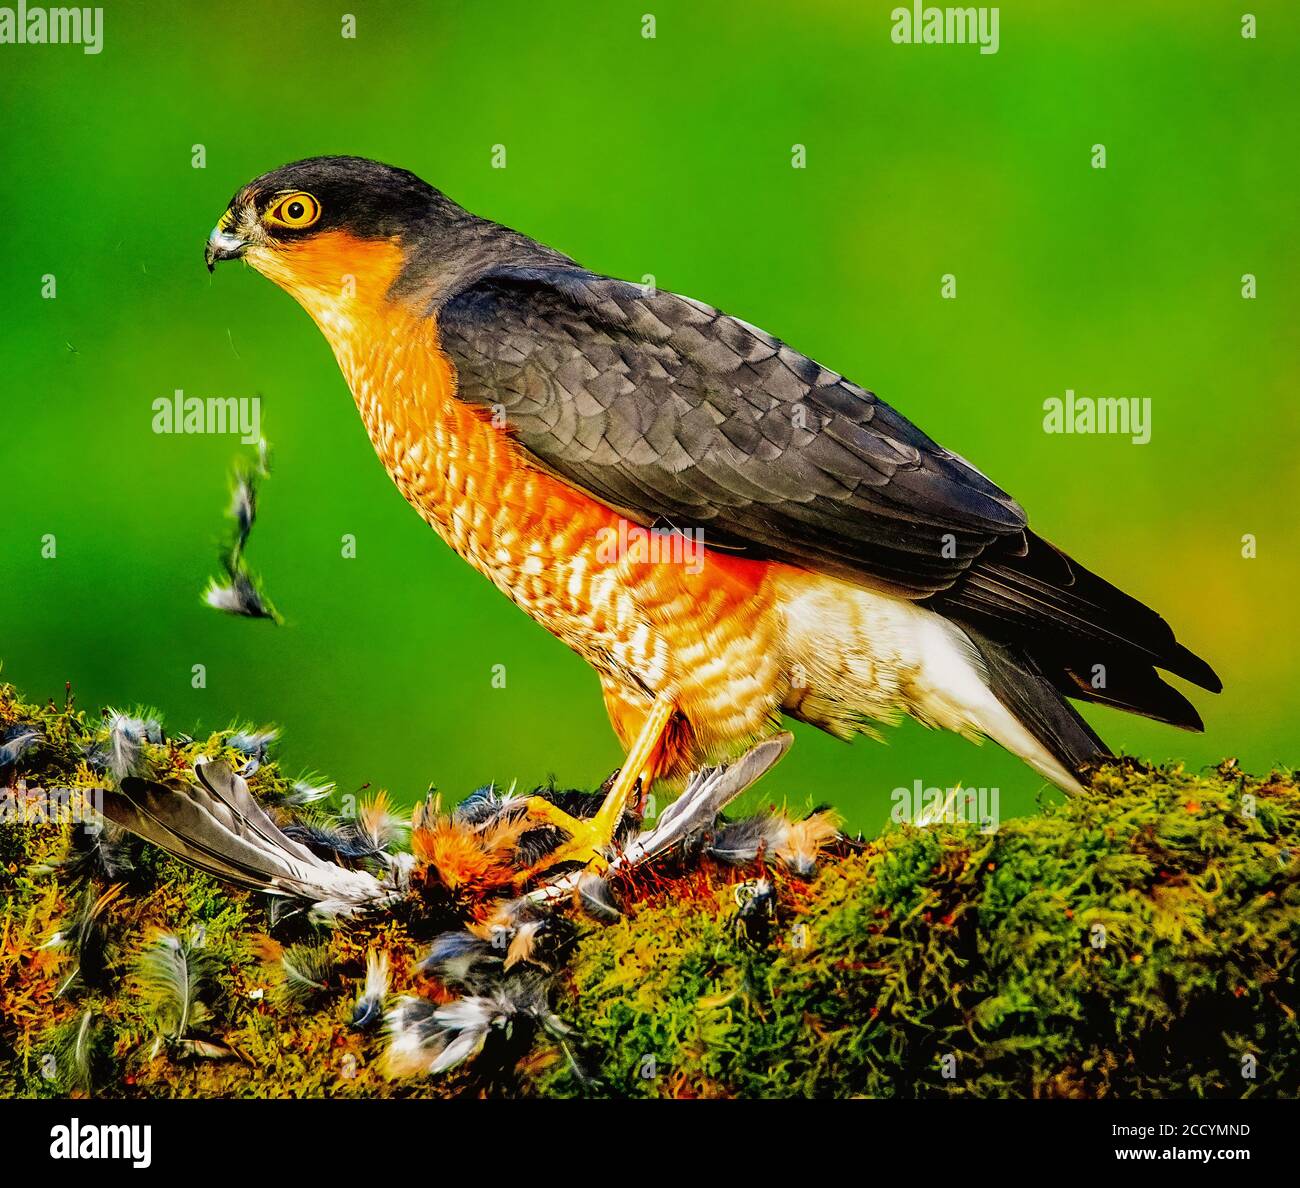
[(665, 406), (541, 340)]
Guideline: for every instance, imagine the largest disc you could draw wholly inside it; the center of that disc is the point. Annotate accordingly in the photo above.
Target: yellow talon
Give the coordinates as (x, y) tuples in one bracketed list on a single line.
[(590, 838)]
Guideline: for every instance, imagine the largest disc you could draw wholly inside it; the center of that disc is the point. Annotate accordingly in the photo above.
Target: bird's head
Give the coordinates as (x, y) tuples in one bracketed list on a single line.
[(349, 238), (329, 228)]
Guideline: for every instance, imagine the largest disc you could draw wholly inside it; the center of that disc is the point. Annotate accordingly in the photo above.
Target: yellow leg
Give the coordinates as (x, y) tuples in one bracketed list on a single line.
[(590, 837)]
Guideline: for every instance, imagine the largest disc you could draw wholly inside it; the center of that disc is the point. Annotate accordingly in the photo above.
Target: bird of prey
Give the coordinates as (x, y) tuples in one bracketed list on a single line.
[(725, 529)]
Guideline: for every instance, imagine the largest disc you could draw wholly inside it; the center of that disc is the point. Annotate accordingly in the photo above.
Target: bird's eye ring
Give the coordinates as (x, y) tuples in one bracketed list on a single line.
[(294, 210)]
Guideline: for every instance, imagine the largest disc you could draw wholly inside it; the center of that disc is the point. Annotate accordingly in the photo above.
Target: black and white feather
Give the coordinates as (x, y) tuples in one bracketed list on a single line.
[(241, 593), (218, 826), (16, 743), (429, 1039), (121, 751), (369, 1006)]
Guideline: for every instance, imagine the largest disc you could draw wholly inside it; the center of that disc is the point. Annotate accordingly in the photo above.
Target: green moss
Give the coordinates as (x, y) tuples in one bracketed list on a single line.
[(1140, 941)]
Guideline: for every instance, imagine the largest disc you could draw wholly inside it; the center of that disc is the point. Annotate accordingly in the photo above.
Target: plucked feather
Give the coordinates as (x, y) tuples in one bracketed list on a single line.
[(594, 896), (304, 974), (18, 742), (121, 751), (84, 937), (254, 745), (304, 793), (171, 974), (370, 1003), (220, 828), (775, 836), (101, 851), (240, 593), (79, 1053)]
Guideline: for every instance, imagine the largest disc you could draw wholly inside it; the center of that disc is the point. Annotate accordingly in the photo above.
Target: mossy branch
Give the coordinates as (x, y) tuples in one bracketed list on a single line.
[(1139, 941)]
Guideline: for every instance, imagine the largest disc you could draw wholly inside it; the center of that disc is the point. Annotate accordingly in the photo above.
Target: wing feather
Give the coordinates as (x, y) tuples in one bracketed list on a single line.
[(668, 410)]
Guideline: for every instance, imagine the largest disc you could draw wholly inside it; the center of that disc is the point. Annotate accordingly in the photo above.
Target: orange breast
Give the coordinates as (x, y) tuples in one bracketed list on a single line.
[(654, 615)]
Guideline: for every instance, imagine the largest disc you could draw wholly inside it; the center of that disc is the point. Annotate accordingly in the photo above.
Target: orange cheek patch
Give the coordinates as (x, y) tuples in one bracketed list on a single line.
[(331, 269)]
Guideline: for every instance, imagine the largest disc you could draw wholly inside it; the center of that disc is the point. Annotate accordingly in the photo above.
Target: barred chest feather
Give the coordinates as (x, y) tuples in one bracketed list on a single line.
[(531, 536), (706, 631), (733, 642)]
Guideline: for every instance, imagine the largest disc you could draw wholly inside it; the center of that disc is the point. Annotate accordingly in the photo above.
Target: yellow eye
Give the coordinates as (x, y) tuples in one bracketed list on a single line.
[(294, 210)]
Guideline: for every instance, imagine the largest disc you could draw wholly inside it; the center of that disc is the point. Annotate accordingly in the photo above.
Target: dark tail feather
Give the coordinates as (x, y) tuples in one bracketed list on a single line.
[(1187, 664), (1055, 607), (1124, 684), (1020, 685)]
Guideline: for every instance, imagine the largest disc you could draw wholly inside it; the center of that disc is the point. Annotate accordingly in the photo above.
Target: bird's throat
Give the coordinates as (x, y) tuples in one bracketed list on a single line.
[(342, 281)]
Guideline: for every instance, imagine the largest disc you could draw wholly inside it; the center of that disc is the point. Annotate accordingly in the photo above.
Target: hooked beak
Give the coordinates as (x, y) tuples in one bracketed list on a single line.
[(221, 246)]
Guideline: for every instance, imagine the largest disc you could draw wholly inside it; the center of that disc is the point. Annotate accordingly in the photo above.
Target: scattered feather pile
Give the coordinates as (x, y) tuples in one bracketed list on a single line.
[(426, 1039), (461, 874), (727, 968)]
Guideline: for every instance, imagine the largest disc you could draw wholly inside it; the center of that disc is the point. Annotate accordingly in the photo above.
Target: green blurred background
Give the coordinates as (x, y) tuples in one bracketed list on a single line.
[(672, 157)]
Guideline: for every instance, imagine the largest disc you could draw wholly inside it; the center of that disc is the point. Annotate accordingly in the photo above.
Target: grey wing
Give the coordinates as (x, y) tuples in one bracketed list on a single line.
[(672, 412)]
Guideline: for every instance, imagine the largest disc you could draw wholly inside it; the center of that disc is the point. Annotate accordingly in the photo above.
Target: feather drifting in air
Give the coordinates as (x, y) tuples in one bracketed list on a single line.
[(241, 592)]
